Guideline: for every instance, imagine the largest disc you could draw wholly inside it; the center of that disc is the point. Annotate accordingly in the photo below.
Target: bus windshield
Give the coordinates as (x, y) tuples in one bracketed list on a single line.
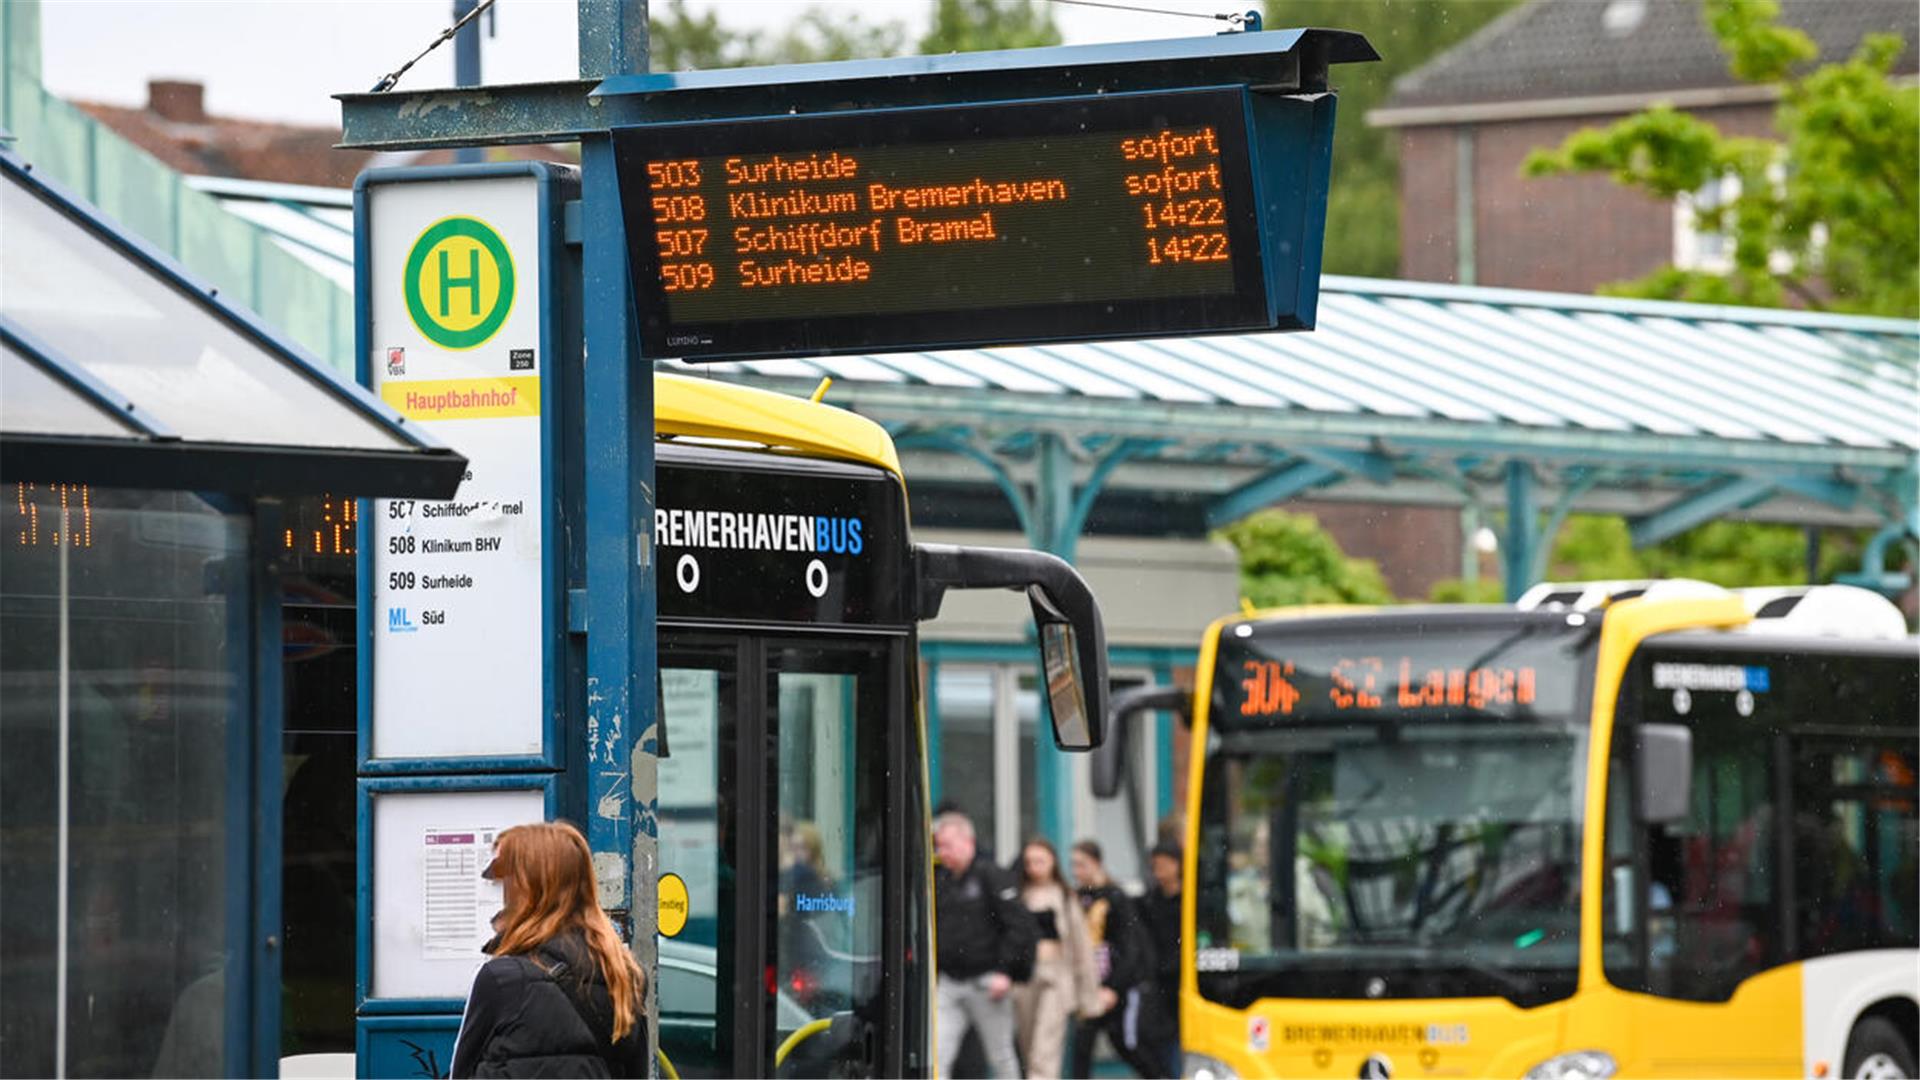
[(1393, 810)]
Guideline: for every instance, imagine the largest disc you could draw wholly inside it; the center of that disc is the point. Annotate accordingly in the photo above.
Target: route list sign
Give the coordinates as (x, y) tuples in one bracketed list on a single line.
[(455, 592), (1099, 217)]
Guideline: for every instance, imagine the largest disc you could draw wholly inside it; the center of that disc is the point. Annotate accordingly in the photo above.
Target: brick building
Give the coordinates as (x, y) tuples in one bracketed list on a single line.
[(1469, 118), (176, 128)]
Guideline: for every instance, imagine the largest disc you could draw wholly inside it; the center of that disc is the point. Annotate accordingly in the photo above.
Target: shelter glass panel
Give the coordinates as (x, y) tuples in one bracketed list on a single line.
[(37, 403), (124, 643), (154, 344)]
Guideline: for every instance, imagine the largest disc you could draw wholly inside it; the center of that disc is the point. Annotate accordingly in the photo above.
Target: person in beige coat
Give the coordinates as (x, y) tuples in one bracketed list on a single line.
[(1065, 982)]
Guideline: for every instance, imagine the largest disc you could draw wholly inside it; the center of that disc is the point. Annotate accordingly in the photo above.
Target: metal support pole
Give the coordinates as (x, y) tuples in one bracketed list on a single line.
[(1517, 546), (613, 38), (466, 66), (622, 616), (1053, 773)]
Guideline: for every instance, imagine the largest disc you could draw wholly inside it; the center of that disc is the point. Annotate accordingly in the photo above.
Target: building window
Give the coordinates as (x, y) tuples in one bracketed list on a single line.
[(1706, 251)]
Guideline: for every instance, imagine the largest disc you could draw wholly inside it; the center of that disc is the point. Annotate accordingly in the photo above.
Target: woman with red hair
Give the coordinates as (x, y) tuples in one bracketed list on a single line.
[(561, 996)]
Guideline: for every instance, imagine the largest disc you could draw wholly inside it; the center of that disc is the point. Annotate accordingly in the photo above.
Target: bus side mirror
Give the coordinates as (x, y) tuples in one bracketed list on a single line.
[(1073, 639), (1109, 761), (1665, 763), (1066, 691)]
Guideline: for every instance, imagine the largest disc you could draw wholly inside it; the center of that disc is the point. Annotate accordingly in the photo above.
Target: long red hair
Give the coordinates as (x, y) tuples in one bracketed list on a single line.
[(548, 871)]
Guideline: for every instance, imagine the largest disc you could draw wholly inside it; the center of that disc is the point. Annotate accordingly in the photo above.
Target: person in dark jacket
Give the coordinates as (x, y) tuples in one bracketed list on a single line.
[(1123, 956), (561, 996), (1161, 907), (986, 943)]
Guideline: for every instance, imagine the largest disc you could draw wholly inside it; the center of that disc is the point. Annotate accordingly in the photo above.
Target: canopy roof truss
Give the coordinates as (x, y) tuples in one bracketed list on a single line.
[(1671, 415)]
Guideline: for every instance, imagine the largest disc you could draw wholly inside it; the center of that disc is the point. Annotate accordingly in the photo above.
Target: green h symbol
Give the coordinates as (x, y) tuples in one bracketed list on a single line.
[(448, 282)]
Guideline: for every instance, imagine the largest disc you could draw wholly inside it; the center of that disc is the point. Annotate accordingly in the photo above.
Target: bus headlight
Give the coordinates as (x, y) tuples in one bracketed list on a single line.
[(1202, 1067), (1579, 1065)]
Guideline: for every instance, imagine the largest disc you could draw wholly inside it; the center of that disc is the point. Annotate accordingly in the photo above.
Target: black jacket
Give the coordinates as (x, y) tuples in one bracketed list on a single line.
[(553, 1018), (980, 923), (1123, 949), (1163, 922)]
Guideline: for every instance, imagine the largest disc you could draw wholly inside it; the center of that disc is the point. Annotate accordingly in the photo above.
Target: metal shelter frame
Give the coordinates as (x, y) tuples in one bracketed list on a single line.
[(1539, 405)]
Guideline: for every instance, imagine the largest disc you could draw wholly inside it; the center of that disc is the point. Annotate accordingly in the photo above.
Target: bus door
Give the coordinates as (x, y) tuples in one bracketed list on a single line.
[(773, 806)]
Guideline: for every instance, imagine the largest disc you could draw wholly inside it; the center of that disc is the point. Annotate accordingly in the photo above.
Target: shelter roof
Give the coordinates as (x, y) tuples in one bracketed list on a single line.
[(1605, 48), (1413, 392), (122, 370)]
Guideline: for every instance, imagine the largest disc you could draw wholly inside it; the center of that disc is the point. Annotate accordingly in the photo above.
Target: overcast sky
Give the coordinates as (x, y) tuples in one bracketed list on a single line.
[(281, 59)]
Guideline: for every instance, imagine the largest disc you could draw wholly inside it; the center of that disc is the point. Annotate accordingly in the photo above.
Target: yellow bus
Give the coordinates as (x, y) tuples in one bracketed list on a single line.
[(1628, 829), (792, 787)]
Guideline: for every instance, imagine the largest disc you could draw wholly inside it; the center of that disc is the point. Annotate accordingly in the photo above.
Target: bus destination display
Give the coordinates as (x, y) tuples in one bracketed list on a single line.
[(1106, 217), (1449, 672)]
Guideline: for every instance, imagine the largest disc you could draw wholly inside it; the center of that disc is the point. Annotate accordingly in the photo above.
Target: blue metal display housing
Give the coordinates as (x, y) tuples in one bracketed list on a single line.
[(548, 784), (1271, 61), (405, 1046), (1038, 283)]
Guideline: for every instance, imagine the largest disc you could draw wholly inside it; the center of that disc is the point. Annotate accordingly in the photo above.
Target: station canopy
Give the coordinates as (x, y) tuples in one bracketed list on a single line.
[(1417, 393), (120, 370)]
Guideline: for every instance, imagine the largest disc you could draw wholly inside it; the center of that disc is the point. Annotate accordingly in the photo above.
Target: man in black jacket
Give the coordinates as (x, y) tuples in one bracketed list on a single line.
[(986, 942), (1123, 953), (1161, 907)]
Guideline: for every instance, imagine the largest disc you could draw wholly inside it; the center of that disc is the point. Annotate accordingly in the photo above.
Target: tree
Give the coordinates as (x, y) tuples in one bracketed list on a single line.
[(1736, 554), (1363, 208), (681, 40), (978, 25), (1827, 216), (1288, 559)]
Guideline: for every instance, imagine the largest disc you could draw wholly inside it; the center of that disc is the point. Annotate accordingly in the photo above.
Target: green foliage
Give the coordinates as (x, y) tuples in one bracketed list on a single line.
[(684, 40), (1829, 215), (1757, 49), (978, 25), (681, 40), (1730, 553), (1736, 554), (1363, 210), (1288, 559), (1486, 590)]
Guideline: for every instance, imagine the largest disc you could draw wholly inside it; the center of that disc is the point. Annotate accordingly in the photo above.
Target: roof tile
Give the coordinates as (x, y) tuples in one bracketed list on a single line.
[(1582, 48)]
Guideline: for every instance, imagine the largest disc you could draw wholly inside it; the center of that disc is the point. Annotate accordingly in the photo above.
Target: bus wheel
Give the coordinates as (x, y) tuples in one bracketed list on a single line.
[(1876, 1051)]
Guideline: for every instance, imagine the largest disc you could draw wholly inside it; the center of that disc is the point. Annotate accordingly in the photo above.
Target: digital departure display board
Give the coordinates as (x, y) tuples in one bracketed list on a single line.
[(1099, 217)]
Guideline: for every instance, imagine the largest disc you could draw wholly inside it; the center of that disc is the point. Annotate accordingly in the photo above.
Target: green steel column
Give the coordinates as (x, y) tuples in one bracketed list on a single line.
[(1469, 553), (622, 618), (1052, 772), (1522, 535)]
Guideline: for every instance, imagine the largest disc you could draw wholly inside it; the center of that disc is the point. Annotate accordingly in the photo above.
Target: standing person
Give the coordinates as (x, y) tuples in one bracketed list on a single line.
[(1065, 981), (1123, 958), (561, 996), (986, 943), (1162, 908)]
